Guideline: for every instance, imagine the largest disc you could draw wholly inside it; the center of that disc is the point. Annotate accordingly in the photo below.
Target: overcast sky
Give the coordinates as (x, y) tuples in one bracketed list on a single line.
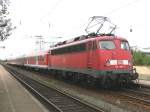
[(69, 18)]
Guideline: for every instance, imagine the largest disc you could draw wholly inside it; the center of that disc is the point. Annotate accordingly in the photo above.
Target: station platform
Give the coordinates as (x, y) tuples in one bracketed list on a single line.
[(14, 97), (144, 83)]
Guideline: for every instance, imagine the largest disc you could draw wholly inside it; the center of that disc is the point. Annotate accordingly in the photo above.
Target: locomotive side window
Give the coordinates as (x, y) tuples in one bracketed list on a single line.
[(107, 45), (125, 45), (69, 49)]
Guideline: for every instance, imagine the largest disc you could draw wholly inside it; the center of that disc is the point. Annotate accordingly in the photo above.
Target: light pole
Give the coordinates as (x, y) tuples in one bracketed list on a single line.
[(39, 41), (54, 42)]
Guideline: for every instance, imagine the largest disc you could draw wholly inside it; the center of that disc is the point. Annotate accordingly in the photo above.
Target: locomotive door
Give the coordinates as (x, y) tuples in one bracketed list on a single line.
[(90, 54), (48, 59)]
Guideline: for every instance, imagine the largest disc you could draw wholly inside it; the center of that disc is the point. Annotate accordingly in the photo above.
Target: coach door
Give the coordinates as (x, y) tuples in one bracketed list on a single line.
[(36, 60), (48, 59)]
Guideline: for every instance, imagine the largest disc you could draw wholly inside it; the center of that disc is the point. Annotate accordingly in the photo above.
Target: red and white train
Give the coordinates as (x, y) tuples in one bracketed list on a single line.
[(102, 58), (106, 59)]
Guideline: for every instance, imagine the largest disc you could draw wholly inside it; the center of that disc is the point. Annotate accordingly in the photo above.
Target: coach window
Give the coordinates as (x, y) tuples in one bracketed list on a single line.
[(107, 45)]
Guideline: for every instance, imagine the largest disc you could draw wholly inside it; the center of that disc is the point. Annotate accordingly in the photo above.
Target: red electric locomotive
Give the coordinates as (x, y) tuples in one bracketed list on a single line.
[(103, 58), (96, 57)]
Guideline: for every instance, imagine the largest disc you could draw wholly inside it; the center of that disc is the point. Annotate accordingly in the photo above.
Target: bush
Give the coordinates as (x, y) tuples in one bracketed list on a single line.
[(140, 58)]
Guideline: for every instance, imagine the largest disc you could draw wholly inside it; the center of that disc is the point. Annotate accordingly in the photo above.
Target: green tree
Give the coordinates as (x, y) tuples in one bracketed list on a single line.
[(5, 22), (140, 58)]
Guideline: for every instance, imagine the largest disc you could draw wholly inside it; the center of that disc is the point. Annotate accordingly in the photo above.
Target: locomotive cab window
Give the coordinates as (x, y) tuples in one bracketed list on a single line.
[(107, 45), (125, 45)]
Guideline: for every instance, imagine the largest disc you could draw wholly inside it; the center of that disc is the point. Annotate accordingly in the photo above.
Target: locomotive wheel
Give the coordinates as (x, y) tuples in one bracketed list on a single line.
[(52, 72), (68, 76), (108, 83), (58, 75), (75, 77), (90, 81), (115, 84)]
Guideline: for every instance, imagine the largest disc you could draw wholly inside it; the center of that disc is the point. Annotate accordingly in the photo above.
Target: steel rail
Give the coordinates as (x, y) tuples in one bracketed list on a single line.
[(61, 102), (139, 93), (36, 92)]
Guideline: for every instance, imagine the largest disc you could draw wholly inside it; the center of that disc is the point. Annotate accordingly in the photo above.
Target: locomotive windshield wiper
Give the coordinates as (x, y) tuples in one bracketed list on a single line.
[(106, 48)]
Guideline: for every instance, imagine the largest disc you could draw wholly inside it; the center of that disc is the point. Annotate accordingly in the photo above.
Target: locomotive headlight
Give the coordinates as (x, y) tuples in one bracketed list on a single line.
[(125, 62), (111, 62), (117, 62)]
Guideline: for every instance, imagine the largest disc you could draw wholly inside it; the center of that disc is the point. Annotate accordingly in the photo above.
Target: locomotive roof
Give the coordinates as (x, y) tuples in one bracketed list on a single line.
[(110, 38), (84, 39)]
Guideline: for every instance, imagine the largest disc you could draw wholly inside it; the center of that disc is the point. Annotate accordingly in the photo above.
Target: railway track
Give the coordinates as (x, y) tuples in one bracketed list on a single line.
[(131, 99), (53, 99), (138, 95)]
